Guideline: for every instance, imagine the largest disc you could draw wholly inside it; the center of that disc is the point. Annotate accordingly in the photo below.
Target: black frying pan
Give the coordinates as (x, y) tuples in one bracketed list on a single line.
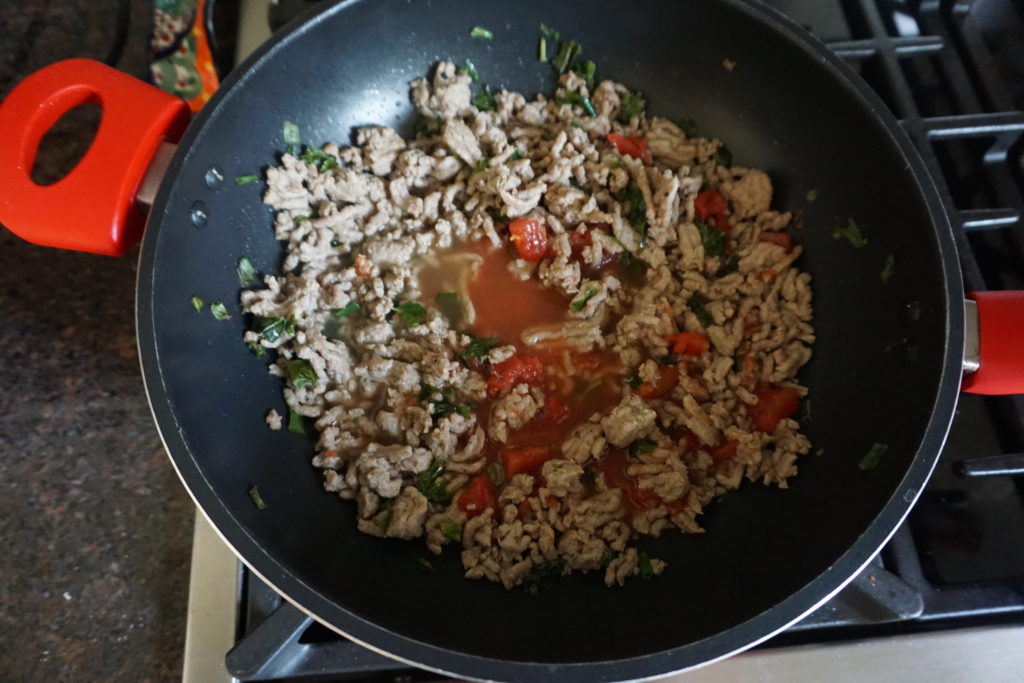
[(886, 369)]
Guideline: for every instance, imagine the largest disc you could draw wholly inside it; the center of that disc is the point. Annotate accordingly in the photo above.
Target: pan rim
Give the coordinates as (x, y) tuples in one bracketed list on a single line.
[(652, 665)]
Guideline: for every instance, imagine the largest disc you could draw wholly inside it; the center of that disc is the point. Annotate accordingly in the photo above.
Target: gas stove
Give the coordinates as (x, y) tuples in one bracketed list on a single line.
[(944, 600)]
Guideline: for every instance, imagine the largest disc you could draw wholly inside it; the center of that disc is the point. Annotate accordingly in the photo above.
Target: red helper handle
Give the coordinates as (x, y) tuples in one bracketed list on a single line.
[(93, 207), (1000, 344)]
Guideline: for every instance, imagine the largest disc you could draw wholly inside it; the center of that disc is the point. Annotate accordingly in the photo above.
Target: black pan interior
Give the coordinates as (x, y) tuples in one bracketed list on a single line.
[(768, 555)]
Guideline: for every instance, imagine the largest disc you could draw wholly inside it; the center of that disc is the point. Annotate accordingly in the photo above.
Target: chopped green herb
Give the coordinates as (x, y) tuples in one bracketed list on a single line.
[(296, 423), (450, 306), (575, 124), (588, 477), (812, 194), (411, 313), (383, 517), (219, 310), (451, 530), (465, 411), (257, 349), (484, 101), (480, 32), (292, 137), (428, 127), (246, 179), (723, 157), (257, 499), (478, 347), (301, 373), (588, 294), (607, 556), (346, 310), (483, 163), (575, 183), (615, 164), (432, 486), (573, 97), (634, 268), (335, 243), (667, 360), (424, 564), (586, 70), (516, 156), (633, 380), (633, 104), (298, 219), (468, 68), (543, 576), (549, 32), (849, 230), (642, 447), (495, 214), (711, 237), (197, 303), (496, 473), (444, 405), (873, 457), (271, 329), (246, 272), (698, 304), (730, 265), (636, 213), (567, 53), (542, 50), (888, 268), (688, 126), (644, 566), (319, 158)]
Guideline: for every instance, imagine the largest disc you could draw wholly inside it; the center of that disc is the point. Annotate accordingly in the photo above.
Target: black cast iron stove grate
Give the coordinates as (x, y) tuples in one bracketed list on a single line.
[(959, 561)]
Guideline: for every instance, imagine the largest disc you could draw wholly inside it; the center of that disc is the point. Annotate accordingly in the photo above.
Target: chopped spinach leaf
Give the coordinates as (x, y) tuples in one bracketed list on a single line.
[(588, 294), (723, 157), (271, 329), (634, 268), (428, 127), (688, 126), (632, 105), (644, 566), (542, 50), (219, 310), (246, 272), (698, 304), (567, 53), (873, 457), (812, 194), (575, 98), (464, 411), (257, 349), (849, 230), (543, 576), (450, 306), (424, 564), (549, 32), (516, 156), (197, 303), (346, 310), (711, 237), (432, 486), (642, 447), (480, 32), (888, 268), (411, 313), (586, 70), (478, 347), (484, 101), (296, 423), (451, 530), (257, 499), (636, 214), (468, 68), (301, 373), (246, 179)]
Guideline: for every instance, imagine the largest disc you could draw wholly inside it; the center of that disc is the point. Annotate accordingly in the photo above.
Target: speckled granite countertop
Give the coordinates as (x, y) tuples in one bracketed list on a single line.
[(95, 526)]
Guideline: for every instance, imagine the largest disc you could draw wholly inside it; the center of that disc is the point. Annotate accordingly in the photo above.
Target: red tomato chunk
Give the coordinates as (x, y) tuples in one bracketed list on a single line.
[(477, 496), (774, 404), (689, 343), (708, 203), (530, 239), (525, 460), (513, 371), (634, 146)]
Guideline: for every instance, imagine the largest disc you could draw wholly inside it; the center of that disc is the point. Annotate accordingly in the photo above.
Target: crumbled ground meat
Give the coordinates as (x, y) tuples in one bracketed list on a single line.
[(413, 417)]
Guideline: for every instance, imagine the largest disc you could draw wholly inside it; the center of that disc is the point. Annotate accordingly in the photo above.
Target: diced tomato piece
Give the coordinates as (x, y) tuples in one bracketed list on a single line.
[(524, 509), (530, 238), (578, 241), (783, 239), (645, 497), (708, 203), (689, 343), (722, 223), (478, 495), (774, 404), (634, 146), (665, 383), (613, 467), (725, 450), (524, 459), (691, 442), (513, 371), (556, 409)]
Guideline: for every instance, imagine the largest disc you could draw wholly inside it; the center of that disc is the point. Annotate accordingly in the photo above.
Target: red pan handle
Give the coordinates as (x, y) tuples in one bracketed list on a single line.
[(93, 207), (1000, 344)]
